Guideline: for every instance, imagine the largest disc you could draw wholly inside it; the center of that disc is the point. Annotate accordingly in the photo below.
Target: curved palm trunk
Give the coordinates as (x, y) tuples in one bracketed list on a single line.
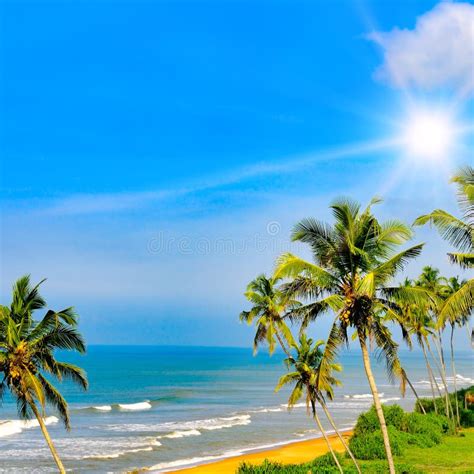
[(378, 405), (430, 376), (48, 439), (282, 344), (343, 441), (320, 426), (454, 377)]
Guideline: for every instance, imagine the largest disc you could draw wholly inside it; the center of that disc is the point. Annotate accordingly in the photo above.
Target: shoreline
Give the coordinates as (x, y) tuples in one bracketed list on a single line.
[(292, 452)]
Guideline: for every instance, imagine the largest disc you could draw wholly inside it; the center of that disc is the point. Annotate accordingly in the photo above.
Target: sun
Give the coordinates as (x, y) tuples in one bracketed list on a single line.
[(429, 135)]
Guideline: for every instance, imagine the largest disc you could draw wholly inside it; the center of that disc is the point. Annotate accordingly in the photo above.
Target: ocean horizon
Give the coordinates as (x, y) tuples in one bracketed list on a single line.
[(167, 407)]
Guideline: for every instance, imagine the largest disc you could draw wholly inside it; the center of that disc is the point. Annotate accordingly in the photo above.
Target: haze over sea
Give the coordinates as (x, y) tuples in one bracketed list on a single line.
[(166, 407)]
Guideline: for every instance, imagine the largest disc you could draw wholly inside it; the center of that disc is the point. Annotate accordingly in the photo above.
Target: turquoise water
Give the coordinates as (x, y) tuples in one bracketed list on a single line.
[(165, 407)]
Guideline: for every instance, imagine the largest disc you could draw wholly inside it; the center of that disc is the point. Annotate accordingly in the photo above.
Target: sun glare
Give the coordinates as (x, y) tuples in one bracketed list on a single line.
[(429, 135)]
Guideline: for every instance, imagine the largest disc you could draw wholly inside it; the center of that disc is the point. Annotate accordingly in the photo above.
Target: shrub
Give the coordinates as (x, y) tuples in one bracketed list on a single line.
[(368, 422), (369, 445), (467, 417), (466, 408), (427, 429)]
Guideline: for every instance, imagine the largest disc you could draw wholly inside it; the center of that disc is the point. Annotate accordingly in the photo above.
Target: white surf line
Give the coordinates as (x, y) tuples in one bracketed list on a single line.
[(189, 463)]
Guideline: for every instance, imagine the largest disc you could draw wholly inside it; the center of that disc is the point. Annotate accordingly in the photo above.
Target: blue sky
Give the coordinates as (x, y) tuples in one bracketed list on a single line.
[(155, 155)]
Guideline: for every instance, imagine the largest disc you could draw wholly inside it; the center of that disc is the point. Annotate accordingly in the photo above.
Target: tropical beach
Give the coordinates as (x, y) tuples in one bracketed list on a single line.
[(237, 237)]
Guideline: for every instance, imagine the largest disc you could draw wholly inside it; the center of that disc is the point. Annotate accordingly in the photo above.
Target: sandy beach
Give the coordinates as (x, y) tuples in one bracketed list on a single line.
[(298, 452)]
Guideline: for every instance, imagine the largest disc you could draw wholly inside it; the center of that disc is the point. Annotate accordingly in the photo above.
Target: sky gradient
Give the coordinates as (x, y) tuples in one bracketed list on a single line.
[(155, 155)]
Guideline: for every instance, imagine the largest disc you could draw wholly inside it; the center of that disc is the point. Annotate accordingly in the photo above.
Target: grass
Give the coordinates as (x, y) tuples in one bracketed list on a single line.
[(455, 454)]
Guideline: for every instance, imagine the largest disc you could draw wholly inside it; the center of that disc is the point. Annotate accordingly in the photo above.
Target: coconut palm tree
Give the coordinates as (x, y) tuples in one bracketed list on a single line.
[(431, 279), (459, 232), (27, 359), (453, 285), (325, 382), (267, 312), (352, 273), (304, 377), (419, 324)]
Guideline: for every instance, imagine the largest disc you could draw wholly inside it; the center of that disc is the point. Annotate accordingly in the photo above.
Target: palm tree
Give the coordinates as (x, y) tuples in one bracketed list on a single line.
[(304, 378), (27, 356), (354, 264), (431, 280), (269, 306), (453, 286), (458, 231), (325, 382), (419, 324)]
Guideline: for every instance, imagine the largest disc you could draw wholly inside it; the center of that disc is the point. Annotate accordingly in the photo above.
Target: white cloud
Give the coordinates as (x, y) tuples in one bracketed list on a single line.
[(438, 52)]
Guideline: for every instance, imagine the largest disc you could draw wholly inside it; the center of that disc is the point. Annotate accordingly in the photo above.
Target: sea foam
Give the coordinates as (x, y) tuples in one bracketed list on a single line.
[(135, 406), (11, 427)]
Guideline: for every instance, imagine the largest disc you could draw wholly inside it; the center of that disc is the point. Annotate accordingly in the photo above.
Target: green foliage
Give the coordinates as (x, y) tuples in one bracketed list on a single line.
[(466, 413), (454, 454), (321, 465), (370, 444), (467, 417), (369, 423), (405, 429)]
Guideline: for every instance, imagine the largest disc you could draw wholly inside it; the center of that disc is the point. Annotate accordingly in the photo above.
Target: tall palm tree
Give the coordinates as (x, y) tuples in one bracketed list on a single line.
[(453, 286), (419, 324), (354, 266), (431, 279), (459, 232), (268, 310), (27, 356), (304, 378)]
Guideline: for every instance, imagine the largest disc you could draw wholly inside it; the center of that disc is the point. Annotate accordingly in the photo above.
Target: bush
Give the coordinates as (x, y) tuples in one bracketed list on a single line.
[(368, 422), (466, 408), (427, 429), (370, 444)]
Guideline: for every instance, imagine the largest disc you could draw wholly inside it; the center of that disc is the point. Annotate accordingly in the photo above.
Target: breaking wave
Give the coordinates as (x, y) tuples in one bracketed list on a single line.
[(11, 427)]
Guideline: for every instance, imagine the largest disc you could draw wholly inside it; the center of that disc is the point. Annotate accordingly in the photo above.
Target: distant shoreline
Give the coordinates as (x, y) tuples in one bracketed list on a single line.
[(292, 452)]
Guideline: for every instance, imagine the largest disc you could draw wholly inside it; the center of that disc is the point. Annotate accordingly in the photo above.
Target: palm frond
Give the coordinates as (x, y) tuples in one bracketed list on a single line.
[(55, 399)]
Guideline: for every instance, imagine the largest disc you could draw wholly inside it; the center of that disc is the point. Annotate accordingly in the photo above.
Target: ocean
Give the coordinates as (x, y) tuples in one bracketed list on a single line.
[(164, 408)]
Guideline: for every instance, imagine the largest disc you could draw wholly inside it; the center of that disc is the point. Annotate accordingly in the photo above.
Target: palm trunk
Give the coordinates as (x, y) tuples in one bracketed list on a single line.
[(343, 441), (442, 372), (430, 376), (320, 426), (415, 393), (282, 344), (48, 438), (440, 349), (378, 405), (454, 377)]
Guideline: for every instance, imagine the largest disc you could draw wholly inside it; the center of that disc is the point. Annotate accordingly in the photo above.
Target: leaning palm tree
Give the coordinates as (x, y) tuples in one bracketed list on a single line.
[(268, 310), (304, 378), (27, 359), (352, 273), (459, 232), (325, 382)]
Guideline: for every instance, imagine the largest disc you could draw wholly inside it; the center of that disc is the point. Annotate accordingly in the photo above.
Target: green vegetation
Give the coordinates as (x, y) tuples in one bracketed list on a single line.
[(355, 261), (421, 444), (465, 401), (27, 356)]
